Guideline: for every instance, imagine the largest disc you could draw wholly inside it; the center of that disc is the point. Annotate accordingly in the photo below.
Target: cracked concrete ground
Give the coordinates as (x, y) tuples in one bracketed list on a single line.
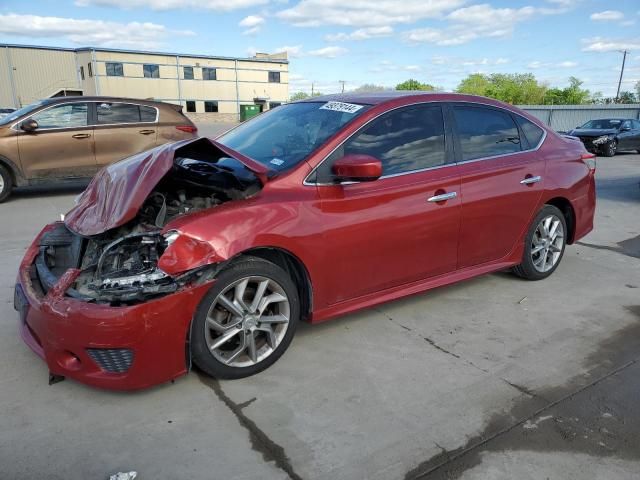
[(493, 378)]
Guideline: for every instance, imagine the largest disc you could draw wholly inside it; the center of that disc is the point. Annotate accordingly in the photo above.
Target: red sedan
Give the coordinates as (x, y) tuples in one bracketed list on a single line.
[(212, 251)]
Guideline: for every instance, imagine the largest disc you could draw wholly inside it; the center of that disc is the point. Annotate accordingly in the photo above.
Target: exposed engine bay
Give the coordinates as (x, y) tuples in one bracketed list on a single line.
[(120, 266)]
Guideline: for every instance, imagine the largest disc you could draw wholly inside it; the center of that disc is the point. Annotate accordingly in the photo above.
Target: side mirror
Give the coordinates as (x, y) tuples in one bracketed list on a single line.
[(357, 168), (625, 129), (29, 125)]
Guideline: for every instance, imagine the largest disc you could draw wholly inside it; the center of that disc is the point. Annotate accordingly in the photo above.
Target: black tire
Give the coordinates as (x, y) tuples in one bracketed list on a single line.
[(610, 148), (527, 269), (244, 267), (6, 183)]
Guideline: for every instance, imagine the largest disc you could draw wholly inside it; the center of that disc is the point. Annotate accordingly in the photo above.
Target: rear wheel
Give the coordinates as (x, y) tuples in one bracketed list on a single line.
[(6, 183), (246, 321), (610, 149), (544, 244)]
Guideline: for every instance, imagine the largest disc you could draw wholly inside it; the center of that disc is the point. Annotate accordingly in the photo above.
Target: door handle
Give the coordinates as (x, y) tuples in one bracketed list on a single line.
[(147, 132), (443, 197), (81, 135), (530, 180)]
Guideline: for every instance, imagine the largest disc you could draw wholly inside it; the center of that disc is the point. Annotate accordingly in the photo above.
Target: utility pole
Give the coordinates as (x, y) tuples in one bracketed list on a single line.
[(312, 89), (342, 82), (624, 57)]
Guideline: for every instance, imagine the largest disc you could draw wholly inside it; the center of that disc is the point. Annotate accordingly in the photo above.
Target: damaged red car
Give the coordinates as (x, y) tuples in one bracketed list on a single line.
[(210, 252)]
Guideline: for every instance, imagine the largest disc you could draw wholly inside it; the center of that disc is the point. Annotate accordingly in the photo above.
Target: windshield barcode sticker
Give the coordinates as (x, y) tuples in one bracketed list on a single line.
[(341, 107)]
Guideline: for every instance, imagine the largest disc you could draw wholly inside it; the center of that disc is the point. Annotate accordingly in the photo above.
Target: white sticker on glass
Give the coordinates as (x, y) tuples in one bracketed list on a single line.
[(341, 107), (277, 161)]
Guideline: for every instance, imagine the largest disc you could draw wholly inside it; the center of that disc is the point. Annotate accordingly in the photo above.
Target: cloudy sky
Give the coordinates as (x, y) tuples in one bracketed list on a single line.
[(358, 41)]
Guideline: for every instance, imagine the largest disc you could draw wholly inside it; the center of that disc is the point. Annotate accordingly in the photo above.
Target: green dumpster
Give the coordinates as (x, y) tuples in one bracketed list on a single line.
[(249, 111)]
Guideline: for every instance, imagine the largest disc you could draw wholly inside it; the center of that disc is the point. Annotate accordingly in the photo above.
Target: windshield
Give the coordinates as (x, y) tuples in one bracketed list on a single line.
[(602, 124), (283, 137), (22, 111)]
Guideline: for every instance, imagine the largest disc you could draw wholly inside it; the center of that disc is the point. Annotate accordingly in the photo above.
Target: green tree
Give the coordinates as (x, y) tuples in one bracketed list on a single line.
[(517, 88), (370, 87), (637, 87), (627, 97), (412, 84), (298, 96)]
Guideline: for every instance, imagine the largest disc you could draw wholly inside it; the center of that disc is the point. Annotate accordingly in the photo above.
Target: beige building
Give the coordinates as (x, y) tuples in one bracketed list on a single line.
[(208, 87)]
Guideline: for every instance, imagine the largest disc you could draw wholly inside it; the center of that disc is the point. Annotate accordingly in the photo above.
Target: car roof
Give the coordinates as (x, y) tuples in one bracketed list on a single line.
[(378, 98), (82, 98)]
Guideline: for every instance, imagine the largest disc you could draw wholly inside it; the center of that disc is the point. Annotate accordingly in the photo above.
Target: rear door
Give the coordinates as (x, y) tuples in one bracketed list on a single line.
[(123, 129), (502, 179), (61, 146), (392, 231)]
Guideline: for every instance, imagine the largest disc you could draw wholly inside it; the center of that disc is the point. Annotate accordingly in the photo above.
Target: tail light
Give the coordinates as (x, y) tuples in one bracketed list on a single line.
[(590, 161), (187, 128)]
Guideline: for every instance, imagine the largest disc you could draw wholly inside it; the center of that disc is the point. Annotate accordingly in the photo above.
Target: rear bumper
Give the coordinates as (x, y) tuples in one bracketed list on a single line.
[(585, 209), (122, 348)]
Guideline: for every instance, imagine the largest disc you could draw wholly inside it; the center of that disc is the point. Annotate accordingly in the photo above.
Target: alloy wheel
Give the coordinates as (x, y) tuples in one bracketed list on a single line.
[(547, 243), (247, 321)]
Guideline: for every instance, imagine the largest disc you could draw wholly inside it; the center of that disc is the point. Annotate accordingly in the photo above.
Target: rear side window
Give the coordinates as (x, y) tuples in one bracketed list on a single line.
[(147, 114), (532, 133), (110, 113), (485, 132), (406, 139)]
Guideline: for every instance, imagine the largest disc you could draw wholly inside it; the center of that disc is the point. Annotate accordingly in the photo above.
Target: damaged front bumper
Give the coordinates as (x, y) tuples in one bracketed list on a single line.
[(117, 347)]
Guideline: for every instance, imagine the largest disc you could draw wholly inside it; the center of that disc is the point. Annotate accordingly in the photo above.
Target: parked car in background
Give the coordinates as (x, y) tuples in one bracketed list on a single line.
[(212, 251), (6, 111), (71, 138), (606, 136)]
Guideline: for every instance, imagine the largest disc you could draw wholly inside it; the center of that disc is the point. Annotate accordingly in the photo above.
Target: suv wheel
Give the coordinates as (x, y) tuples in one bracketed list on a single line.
[(246, 321), (6, 183), (544, 244)]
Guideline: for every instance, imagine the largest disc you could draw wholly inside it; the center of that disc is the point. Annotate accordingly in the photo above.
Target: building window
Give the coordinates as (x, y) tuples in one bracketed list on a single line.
[(114, 70), (274, 77), (82, 72), (151, 71), (209, 74), (188, 73), (191, 105), (274, 104), (210, 106), (89, 69)]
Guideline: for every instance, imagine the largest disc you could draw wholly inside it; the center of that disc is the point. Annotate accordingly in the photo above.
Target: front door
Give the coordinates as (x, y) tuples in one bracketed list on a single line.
[(61, 146), (502, 179), (403, 227), (123, 129)]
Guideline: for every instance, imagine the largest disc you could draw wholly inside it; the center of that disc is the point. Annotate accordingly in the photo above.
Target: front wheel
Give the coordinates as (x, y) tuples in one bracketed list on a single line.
[(544, 244), (610, 149), (246, 321)]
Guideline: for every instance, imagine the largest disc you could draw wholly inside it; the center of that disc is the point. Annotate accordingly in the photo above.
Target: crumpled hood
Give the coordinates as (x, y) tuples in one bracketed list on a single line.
[(591, 132), (117, 192)]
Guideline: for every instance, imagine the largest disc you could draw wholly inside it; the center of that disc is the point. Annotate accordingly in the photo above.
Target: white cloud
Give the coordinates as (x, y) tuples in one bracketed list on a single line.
[(607, 16), (220, 5), (539, 64), (89, 32), (328, 52), (361, 34), (251, 21), (293, 51), (252, 24), (412, 68), (363, 13), (600, 44), (476, 21)]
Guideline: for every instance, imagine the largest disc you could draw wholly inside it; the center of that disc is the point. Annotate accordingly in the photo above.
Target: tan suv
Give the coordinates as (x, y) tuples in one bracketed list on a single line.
[(71, 138)]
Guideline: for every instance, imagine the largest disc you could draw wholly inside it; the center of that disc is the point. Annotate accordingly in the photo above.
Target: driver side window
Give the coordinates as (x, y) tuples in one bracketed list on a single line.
[(69, 115), (404, 140)]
